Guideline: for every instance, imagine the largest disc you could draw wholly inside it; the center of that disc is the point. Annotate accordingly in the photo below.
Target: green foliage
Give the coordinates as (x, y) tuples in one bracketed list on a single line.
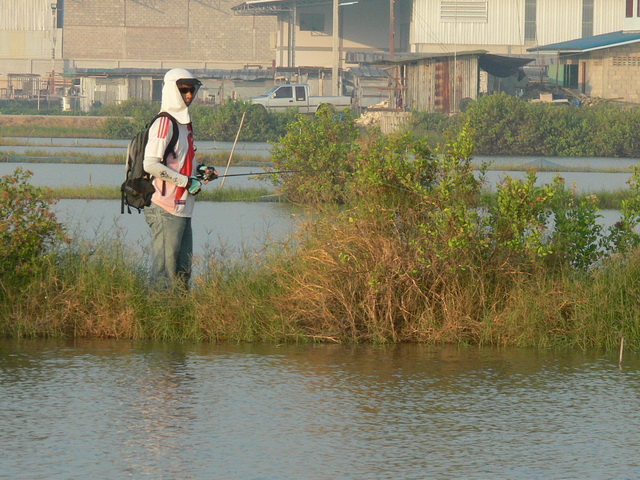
[(520, 218), (322, 149), (220, 123), (27, 226), (141, 112), (223, 122), (433, 126), (578, 239), (507, 125), (127, 118), (31, 107), (120, 128), (624, 235), (417, 251)]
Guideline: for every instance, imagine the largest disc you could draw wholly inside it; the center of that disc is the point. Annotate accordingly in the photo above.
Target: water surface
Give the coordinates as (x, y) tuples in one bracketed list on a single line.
[(114, 409)]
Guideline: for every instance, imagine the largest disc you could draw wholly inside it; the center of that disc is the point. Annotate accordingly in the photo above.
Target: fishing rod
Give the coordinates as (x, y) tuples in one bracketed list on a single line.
[(263, 173), (275, 172)]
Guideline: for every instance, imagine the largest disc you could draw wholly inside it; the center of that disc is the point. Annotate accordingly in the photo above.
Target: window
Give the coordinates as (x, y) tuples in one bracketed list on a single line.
[(300, 95), (629, 8), (468, 11), (284, 92), (530, 20), (312, 22), (587, 18)]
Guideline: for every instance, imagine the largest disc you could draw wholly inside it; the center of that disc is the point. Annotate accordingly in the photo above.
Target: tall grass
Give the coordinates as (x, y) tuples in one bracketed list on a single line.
[(99, 289), (342, 285), (211, 193)]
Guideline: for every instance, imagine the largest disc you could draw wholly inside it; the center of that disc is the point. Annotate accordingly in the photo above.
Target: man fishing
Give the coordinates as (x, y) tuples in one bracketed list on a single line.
[(176, 183)]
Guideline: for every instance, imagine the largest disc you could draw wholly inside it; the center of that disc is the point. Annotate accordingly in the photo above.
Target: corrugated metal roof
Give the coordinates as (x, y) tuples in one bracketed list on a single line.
[(271, 7), (596, 42), (369, 72), (427, 56)]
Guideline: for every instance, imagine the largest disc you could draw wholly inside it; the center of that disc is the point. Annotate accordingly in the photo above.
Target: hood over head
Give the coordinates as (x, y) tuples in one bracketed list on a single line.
[(172, 101)]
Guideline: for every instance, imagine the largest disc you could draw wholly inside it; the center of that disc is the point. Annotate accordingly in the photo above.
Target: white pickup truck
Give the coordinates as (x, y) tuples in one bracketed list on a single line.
[(296, 95)]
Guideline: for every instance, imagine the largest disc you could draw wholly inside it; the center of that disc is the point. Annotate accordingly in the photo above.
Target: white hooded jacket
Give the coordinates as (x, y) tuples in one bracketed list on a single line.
[(169, 178)]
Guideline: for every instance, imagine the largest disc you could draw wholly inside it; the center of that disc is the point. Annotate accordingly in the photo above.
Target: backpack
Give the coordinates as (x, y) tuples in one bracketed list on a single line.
[(137, 189)]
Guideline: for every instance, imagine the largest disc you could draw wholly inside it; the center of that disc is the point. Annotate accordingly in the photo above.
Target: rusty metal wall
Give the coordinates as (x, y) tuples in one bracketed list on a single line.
[(440, 84)]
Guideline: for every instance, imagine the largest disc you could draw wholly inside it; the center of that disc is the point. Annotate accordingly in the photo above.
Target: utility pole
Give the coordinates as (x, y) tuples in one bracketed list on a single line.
[(392, 46), (335, 70)]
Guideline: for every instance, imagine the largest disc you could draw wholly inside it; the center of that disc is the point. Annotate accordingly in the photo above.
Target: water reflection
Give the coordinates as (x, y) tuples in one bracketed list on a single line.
[(114, 409)]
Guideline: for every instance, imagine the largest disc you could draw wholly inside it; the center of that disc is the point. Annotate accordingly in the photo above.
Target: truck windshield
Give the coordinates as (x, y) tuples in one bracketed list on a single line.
[(269, 92)]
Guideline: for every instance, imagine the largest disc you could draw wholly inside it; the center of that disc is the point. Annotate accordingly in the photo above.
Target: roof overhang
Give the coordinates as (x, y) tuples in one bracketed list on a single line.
[(589, 44), (500, 66), (262, 7), (496, 65), (274, 7), (416, 57)]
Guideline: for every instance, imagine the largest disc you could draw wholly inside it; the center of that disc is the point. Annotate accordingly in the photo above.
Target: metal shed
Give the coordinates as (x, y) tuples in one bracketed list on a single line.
[(444, 82)]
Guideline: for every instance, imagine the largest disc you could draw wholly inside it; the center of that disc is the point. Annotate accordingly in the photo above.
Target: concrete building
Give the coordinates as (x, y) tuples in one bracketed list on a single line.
[(603, 66), (47, 38), (369, 28), (57, 46)]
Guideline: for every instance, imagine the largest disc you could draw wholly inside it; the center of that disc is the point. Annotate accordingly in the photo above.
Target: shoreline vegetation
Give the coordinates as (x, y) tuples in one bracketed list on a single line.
[(42, 156), (227, 194), (401, 244), (604, 199)]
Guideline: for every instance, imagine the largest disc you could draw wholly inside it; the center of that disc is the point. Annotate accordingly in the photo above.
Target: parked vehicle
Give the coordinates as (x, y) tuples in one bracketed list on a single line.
[(296, 95)]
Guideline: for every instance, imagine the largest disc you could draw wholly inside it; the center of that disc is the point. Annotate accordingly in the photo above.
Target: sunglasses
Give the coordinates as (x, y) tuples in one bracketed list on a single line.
[(186, 89)]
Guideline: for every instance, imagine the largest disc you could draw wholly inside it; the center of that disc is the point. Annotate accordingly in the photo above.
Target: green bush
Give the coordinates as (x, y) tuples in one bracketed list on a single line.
[(322, 150), (118, 127), (433, 126), (219, 123), (417, 252), (140, 111), (28, 228), (223, 122), (507, 125), (32, 107)]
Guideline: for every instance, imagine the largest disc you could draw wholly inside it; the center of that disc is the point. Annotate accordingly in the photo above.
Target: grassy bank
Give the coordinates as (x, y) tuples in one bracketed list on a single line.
[(605, 199), (99, 290), (43, 156), (402, 245), (226, 194)]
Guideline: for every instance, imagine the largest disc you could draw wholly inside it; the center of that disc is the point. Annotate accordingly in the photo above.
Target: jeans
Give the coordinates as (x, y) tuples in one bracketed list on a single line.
[(171, 246)]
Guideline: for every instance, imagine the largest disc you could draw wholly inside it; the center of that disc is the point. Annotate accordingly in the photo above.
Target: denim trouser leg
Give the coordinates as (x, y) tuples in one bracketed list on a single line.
[(171, 245)]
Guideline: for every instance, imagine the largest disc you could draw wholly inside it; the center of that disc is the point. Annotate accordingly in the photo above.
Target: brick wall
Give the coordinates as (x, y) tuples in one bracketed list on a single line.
[(612, 74), (166, 30)]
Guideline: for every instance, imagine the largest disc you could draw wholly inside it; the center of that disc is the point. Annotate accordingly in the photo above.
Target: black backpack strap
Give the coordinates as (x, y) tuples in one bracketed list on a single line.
[(172, 143)]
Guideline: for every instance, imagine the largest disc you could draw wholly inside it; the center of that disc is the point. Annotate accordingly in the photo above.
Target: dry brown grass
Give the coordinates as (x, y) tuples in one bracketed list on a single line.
[(71, 307), (356, 281)]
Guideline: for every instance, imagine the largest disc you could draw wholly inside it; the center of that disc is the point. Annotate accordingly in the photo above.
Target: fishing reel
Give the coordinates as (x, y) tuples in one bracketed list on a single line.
[(205, 173)]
